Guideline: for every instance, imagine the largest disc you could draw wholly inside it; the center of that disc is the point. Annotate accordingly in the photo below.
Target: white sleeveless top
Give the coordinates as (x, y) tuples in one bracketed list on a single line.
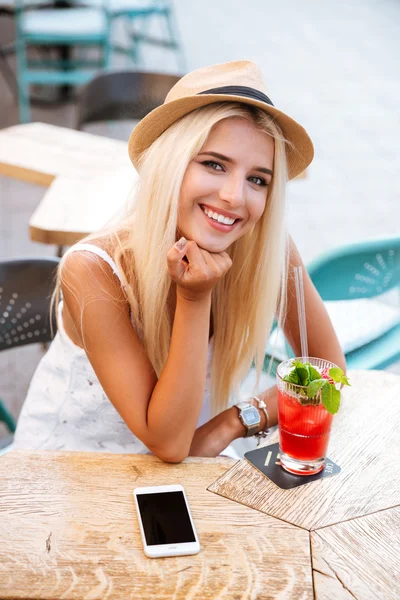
[(66, 407)]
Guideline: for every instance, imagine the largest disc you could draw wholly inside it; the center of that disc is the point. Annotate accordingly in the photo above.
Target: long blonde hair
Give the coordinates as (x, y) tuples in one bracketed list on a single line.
[(245, 301)]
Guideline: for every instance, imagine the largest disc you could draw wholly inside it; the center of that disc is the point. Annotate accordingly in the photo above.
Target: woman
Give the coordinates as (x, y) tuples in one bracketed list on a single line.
[(163, 313)]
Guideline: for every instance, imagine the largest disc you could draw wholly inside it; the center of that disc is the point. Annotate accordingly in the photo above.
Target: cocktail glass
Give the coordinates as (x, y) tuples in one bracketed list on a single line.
[(304, 423)]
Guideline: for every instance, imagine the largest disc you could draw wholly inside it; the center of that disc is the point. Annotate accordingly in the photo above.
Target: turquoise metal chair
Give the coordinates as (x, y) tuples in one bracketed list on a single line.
[(38, 26), (138, 16), (365, 272)]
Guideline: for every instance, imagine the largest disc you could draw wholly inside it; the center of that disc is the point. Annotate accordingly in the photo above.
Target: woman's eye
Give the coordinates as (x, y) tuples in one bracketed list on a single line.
[(258, 181), (213, 165)]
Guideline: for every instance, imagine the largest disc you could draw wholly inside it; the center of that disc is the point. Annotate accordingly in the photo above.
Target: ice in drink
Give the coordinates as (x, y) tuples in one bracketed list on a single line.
[(304, 430)]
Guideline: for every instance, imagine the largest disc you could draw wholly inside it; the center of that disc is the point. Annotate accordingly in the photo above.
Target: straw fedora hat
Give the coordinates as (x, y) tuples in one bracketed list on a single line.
[(237, 81)]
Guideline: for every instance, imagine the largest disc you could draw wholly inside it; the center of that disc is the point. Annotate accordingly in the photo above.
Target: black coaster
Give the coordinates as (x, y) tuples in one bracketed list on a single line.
[(267, 461)]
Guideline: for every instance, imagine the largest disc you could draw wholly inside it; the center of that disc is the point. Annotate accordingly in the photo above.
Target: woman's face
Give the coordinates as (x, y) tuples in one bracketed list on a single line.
[(224, 189)]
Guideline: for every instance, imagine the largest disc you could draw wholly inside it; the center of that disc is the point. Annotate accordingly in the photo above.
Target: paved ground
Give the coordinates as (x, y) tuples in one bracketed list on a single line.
[(333, 66)]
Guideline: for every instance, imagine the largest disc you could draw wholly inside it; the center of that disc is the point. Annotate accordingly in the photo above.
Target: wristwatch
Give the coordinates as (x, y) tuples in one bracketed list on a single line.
[(250, 417)]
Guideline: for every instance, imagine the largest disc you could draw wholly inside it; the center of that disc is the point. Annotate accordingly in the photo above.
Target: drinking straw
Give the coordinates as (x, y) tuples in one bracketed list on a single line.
[(301, 309)]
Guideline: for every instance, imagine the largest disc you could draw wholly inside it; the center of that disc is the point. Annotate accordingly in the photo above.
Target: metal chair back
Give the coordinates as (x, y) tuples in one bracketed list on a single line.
[(359, 270), (122, 95), (26, 286)]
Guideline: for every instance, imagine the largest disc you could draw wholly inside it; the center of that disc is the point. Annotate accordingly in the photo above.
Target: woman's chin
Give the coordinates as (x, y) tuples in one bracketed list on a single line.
[(212, 246), (204, 241)]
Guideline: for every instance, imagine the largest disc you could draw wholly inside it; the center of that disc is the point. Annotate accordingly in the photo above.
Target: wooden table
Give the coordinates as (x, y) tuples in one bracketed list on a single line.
[(353, 518), (68, 527), (38, 153), (73, 208), (90, 178)]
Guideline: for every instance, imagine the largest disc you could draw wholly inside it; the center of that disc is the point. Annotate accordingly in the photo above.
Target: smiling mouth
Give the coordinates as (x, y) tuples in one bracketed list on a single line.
[(221, 220)]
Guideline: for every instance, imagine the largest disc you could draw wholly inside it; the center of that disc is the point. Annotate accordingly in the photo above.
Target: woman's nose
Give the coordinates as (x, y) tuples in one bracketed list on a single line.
[(232, 191)]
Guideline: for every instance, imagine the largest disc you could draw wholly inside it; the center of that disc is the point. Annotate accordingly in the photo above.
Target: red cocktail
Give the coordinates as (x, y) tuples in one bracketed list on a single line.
[(304, 422)]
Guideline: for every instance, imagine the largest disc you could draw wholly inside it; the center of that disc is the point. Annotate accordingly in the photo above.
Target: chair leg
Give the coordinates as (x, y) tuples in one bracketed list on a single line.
[(6, 417), (8, 73), (23, 86), (133, 50), (24, 109), (175, 39), (107, 48)]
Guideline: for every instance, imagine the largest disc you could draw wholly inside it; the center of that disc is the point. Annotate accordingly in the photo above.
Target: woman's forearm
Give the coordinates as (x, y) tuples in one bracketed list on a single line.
[(176, 401), (214, 436)]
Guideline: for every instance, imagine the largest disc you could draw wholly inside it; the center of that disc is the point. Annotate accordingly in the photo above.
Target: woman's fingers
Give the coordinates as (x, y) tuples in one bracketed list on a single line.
[(175, 255), (195, 256), (195, 269), (185, 261), (220, 263)]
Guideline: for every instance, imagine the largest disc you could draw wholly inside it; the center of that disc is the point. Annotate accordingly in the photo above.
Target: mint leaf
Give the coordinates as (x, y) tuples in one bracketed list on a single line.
[(338, 376), (314, 374), (330, 397), (292, 377), (314, 387), (302, 372), (297, 363)]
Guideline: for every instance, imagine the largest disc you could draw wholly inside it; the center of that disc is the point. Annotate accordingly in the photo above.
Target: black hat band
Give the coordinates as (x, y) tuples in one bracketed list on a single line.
[(239, 90)]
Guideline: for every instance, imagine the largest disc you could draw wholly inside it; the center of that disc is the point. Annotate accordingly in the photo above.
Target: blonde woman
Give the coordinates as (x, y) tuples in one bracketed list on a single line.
[(161, 316)]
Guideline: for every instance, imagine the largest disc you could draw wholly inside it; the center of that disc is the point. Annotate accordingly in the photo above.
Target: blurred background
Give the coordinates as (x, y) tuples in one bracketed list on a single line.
[(332, 66)]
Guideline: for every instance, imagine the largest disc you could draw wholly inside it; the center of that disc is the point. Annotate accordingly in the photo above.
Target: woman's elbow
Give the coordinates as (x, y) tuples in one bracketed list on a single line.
[(173, 459), (170, 455)]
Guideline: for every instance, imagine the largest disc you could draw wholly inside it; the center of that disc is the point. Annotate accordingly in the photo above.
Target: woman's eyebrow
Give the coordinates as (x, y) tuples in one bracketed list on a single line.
[(229, 160)]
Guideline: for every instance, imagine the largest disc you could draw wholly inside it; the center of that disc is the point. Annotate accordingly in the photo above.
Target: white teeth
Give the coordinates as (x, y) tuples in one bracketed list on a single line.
[(220, 218)]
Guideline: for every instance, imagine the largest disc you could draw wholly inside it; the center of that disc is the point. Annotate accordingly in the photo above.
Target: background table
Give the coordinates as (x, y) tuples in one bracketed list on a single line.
[(89, 177), (73, 208), (38, 153), (68, 529)]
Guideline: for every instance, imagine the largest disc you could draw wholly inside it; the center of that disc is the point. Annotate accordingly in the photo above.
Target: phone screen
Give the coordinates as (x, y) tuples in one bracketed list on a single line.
[(165, 518)]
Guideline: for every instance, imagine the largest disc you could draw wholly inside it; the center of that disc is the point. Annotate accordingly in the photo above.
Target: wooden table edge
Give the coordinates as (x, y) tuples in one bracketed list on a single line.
[(57, 238), (374, 512), (74, 453), (27, 175)]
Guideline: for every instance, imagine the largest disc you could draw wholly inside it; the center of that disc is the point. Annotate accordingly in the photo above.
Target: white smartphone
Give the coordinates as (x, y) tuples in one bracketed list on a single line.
[(165, 522)]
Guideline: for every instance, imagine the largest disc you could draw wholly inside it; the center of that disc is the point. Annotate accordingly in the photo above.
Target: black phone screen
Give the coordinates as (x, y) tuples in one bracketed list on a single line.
[(165, 518)]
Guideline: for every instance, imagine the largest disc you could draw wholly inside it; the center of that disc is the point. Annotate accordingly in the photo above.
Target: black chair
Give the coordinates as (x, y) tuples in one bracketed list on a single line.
[(26, 286), (7, 9), (122, 95)]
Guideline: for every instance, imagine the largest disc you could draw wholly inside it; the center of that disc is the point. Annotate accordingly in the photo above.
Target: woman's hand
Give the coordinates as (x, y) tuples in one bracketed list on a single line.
[(194, 270), (214, 436)]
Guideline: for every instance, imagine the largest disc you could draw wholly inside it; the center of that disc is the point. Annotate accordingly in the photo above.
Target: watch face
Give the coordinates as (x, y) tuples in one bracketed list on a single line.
[(251, 416)]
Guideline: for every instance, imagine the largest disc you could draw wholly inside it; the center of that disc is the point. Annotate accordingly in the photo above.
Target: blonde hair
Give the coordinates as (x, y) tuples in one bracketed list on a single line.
[(244, 302)]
